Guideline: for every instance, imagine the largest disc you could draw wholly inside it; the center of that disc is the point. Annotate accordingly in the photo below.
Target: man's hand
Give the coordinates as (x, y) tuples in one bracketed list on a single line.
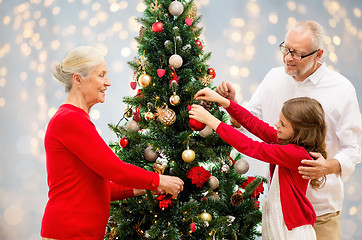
[(226, 90), (319, 167)]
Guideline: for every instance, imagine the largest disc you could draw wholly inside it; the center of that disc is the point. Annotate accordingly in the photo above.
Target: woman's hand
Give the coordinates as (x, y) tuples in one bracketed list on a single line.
[(170, 184), (200, 114), (209, 95)]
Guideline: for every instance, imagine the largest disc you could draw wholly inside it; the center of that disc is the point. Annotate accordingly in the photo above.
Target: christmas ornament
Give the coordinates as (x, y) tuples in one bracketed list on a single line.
[(145, 80), (199, 44), (132, 125), (196, 125), (157, 27), (136, 115), (151, 155), (206, 104), (175, 61), (155, 6), (164, 200), (174, 99), (241, 166), (166, 116), (236, 198), (192, 13), (176, 8), (193, 227), (256, 205), (213, 196), (159, 167), (225, 168), (211, 72), (207, 131), (206, 216), (128, 112), (206, 80), (161, 72), (198, 175), (174, 79), (149, 116), (213, 182), (124, 142), (133, 85), (188, 155), (188, 21)]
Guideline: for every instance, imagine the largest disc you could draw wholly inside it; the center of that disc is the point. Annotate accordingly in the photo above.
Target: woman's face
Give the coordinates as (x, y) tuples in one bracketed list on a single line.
[(95, 85), (284, 128)]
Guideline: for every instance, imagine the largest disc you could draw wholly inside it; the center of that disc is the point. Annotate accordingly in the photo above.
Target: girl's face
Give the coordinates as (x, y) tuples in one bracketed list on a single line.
[(284, 128)]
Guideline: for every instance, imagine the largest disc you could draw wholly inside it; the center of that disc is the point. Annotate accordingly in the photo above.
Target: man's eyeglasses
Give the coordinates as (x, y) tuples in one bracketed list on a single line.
[(295, 55)]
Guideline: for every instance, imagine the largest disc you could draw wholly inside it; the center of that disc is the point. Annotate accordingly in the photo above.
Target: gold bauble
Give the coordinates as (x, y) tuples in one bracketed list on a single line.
[(175, 100), (188, 155), (206, 216), (166, 116), (145, 80), (128, 112), (149, 116)]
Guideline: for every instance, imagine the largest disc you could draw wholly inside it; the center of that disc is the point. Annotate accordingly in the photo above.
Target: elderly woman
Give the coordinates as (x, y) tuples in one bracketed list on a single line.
[(84, 174)]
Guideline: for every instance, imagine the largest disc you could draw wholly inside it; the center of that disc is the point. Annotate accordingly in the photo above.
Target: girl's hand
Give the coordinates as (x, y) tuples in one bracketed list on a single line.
[(209, 95), (200, 114)]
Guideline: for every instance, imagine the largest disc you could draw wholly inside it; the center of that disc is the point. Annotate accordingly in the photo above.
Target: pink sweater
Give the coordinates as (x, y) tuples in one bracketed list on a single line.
[(84, 175), (297, 210)]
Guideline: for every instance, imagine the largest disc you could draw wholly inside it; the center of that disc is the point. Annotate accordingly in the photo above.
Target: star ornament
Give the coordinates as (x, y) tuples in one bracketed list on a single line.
[(155, 6), (198, 176)]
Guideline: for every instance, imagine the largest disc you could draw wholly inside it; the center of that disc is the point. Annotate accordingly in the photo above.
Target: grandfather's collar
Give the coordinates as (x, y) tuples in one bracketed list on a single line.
[(318, 74)]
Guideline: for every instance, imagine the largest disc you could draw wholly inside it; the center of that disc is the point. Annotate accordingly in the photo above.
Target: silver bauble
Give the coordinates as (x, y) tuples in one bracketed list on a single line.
[(213, 182), (175, 61), (132, 125), (241, 166), (176, 8), (151, 155)]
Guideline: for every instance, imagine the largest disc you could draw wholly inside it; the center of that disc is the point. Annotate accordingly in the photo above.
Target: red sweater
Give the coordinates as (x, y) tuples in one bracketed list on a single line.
[(297, 210), (84, 175)]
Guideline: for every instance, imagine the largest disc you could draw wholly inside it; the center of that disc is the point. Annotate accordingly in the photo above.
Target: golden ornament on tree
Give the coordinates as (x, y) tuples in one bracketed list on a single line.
[(145, 80), (188, 155), (149, 116), (174, 100), (206, 216), (166, 116)]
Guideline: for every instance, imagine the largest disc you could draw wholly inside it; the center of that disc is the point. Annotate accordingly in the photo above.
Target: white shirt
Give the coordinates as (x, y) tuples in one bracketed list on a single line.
[(338, 98)]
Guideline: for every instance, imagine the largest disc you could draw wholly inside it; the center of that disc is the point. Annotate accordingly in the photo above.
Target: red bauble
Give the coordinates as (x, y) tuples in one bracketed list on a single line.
[(193, 227), (211, 72), (196, 125), (199, 44), (157, 27), (124, 142)]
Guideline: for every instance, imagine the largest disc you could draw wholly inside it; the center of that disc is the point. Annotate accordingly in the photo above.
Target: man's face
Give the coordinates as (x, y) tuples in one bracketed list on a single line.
[(299, 43)]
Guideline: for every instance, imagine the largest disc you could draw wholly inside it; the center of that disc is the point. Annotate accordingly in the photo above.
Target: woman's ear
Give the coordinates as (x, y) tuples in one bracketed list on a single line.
[(77, 79)]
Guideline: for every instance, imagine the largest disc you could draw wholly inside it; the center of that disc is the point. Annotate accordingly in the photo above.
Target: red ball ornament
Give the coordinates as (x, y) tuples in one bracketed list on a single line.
[(199, 44), (193, 227), (124, 142), (211, 72), (196, 125), (157, 27)]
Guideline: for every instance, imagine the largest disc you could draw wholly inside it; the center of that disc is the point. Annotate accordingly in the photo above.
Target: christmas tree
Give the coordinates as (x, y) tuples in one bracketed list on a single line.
[(155, 133)]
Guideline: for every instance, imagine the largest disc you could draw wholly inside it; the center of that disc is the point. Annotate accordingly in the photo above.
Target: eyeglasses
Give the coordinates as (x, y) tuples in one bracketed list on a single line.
[(295, 55)]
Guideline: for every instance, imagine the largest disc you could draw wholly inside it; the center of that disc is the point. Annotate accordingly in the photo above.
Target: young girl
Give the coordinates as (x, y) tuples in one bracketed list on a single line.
[(287, 213)]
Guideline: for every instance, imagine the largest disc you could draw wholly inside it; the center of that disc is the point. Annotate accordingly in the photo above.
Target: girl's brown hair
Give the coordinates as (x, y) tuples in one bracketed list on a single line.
[(306, 116)]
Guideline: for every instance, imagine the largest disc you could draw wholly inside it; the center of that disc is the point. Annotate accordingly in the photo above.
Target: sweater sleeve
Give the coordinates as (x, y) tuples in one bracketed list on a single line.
[(253, 124), (119, 192), (79, 135), (288, 156)]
